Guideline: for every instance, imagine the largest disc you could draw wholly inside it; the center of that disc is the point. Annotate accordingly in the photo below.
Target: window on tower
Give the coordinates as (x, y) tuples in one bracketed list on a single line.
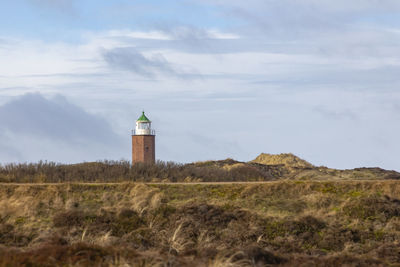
[(144, 126)]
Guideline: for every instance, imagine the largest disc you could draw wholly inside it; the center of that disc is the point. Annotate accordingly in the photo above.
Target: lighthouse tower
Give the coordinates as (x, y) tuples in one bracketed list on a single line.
[(143, 141)]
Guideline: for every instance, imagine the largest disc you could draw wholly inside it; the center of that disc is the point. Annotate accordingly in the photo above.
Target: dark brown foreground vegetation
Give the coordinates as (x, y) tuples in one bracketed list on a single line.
[(285, 223), (264, 168)]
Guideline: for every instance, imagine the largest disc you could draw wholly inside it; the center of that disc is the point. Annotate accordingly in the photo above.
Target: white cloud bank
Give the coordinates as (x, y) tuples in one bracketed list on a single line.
[(36, 128)]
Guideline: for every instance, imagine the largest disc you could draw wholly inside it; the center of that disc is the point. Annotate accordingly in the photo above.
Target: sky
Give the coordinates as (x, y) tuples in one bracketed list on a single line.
[(222, 78)]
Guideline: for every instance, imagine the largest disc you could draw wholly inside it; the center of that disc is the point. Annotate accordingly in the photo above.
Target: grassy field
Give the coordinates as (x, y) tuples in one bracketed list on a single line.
[(286, 223)]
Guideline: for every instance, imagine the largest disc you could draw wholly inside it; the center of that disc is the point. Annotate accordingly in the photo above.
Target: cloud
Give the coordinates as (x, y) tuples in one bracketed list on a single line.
[(55, 118), (307, 15), (34, 127), (183, 38), (128, 58), (187, 33), (7, 151), (357, 29), (337, 114)]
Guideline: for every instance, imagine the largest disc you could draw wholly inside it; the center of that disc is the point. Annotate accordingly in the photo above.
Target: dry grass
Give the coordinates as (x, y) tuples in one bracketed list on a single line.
[(352, 223), (265, 167), (289, 160)]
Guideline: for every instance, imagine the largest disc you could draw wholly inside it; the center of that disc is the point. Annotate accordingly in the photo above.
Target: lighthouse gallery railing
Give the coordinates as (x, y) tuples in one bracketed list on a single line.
[(152, 132)]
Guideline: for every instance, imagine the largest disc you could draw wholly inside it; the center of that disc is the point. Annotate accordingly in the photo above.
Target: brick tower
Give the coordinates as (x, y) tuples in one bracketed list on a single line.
[(143, 141)]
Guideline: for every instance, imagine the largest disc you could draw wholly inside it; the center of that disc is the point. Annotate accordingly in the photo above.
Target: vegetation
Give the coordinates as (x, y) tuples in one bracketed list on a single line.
[(119, 171), (99, 214), (131, 224), (287, 159), (265, 167)]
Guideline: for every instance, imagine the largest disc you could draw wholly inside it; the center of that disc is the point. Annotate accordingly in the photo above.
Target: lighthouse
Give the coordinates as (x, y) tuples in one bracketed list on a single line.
[(143, 141)]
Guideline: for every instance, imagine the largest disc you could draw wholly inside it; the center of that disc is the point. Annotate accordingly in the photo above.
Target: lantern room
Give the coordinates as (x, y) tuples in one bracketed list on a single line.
[(143, 126)]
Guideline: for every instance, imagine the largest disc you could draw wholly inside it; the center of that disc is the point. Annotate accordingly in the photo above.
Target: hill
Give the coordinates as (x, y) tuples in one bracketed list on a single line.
[(290, 167), (265, 167), (288, 160)]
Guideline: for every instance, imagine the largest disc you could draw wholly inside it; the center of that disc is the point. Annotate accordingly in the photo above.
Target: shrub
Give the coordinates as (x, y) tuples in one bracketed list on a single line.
[(117, 171), (373, 207)]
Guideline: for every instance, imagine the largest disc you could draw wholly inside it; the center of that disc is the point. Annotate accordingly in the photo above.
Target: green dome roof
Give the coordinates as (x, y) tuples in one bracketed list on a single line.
[(143, 118)]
